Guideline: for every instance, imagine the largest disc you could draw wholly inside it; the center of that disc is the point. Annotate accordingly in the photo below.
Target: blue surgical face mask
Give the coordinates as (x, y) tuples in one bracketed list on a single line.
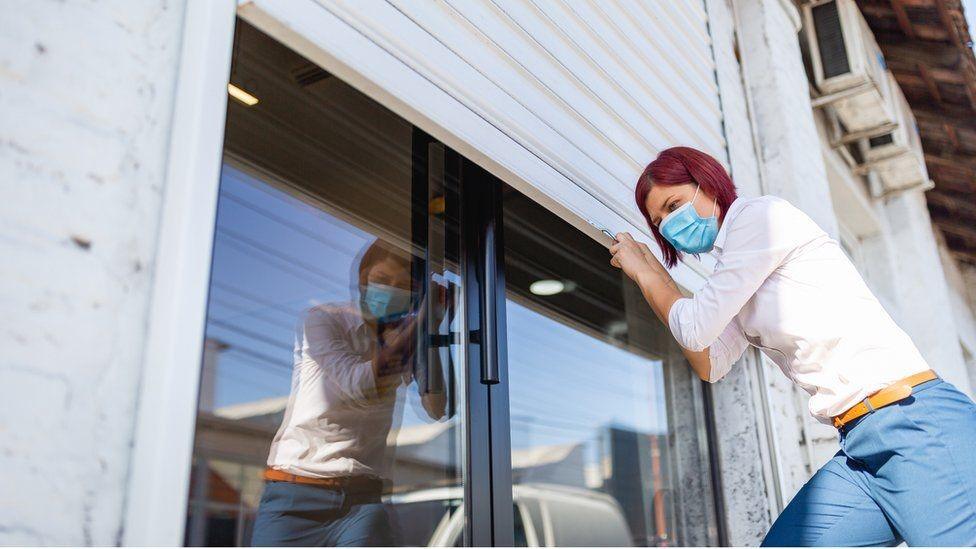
[(687, 231), (386, 303)]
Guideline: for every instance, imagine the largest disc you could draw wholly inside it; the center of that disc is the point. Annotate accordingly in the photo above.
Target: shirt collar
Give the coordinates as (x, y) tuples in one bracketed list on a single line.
[(723, 230)]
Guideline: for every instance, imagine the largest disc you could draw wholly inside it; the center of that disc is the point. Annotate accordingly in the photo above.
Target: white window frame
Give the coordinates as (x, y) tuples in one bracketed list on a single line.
[(156, 497)]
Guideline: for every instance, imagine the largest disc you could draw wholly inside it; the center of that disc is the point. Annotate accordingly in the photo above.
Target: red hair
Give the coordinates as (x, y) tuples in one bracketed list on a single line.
[(676, 166)]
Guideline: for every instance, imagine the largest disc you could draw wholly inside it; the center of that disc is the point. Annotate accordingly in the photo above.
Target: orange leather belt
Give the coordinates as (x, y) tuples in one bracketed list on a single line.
[(891, 394), (360, 482)]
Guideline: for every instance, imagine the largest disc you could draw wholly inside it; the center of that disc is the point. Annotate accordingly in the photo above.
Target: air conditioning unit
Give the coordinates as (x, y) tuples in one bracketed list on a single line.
[(897, 156), (847, 62)]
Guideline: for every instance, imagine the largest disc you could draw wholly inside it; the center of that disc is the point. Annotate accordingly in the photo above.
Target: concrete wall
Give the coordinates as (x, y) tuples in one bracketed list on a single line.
[(927, 312), (777, 85), (786, 133), (961, 286), (903, 260), (967, 278), (744, 450), (86, 92)]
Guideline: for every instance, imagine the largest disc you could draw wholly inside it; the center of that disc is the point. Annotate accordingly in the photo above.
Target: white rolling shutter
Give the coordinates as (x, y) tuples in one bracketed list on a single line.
[(566, 101)]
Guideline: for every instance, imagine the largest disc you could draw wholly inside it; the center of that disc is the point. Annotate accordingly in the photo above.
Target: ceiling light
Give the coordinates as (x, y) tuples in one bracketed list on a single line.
[(241, 95), (547, 287)]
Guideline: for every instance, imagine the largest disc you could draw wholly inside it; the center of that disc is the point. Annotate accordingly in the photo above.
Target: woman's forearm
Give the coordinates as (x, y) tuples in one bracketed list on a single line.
[(660, 292), (657, 287)]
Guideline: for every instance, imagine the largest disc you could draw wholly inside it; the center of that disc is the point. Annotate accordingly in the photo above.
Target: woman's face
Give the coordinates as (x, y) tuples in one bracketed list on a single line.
[(390, 272), (664, 199)]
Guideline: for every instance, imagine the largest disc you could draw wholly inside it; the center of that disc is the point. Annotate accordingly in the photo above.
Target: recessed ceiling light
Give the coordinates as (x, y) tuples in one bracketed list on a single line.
[(547, 287), (617, 328), (241, 95)]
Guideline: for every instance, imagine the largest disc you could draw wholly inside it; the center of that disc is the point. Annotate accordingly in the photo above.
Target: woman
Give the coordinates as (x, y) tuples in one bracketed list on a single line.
[(330, 460), (906, 470)]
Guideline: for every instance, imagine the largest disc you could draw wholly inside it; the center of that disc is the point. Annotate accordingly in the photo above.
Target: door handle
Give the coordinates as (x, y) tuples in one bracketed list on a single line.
[(489, 310)]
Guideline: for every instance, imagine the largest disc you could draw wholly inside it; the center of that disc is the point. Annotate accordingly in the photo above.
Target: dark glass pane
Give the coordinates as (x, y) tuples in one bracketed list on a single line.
[(599, 437), (334, 286)]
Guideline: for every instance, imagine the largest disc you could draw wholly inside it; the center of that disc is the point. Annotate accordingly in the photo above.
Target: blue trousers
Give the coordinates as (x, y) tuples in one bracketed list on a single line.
[(906, 472), (312, 516)]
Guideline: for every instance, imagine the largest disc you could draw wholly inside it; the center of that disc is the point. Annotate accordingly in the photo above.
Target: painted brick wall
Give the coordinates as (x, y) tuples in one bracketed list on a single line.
[(86, 92)]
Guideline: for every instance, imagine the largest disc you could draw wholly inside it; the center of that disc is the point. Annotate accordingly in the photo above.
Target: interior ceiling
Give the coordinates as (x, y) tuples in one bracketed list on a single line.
[(927, 46)]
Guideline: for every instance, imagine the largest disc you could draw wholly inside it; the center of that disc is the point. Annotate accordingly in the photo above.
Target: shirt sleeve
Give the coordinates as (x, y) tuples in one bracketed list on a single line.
[(328, 345), (759, 239), (726, 351)]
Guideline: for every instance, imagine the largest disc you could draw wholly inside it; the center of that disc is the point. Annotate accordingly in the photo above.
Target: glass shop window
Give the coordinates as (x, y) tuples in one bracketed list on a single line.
[(311, 366), (606, 416)]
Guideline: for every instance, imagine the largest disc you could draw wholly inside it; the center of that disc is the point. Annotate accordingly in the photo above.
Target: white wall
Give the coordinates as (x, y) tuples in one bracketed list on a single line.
[(961, 282), (903, 259), (87, 92), (787, 140), (967, 276), (777, 84), (926, 309), (746, 459)]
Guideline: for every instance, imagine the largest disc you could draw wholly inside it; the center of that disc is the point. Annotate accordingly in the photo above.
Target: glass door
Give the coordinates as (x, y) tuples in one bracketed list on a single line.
[(333, 398), (608, 441)]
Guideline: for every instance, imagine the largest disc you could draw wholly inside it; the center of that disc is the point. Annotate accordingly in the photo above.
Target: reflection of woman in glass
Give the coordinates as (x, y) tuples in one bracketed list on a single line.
[(329, 458), (907, 465)]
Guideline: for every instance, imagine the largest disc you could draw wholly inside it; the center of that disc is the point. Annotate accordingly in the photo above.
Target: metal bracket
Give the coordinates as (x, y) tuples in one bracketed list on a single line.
[(864, 168), (824, 100), (864, 134)]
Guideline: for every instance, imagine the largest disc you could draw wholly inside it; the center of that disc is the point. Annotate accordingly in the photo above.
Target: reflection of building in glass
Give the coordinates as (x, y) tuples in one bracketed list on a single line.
[(212, 349), (640, 479), (233, 443)]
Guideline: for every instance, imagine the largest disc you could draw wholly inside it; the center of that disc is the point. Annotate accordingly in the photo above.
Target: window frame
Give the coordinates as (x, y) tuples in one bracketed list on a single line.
[(158, 481)]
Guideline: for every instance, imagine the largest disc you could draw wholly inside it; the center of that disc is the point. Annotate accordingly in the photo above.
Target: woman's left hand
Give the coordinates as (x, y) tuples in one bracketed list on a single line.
[(630, 256)]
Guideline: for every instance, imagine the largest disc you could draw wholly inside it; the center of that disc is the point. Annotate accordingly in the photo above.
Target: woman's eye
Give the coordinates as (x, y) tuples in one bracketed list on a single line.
[(671, 206)]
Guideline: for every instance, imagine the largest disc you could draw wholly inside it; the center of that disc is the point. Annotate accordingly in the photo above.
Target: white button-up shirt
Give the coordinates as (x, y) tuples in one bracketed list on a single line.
[(335, 423), (783, 285)]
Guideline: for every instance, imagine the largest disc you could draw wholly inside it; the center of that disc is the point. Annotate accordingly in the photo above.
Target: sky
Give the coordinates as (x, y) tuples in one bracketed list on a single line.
[(969, 6)]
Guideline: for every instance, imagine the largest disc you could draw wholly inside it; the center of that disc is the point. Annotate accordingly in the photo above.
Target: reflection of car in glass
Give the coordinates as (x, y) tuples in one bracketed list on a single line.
[(546, 515)]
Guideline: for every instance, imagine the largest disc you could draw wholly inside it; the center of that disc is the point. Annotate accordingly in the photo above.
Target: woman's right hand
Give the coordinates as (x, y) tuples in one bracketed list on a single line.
[(396, 346), (630, 256)]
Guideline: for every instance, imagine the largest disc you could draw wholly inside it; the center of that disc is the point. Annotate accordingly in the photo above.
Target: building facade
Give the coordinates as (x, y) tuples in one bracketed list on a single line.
[(199, 195)]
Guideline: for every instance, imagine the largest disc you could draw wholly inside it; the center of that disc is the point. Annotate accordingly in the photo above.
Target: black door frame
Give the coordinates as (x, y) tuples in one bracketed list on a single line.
[(488, 491), (487, 466), (487, 471)]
